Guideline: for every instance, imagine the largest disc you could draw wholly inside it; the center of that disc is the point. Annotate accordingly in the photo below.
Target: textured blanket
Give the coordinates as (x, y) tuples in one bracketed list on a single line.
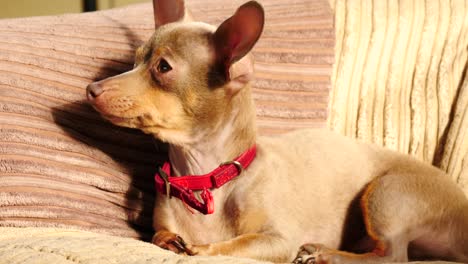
[(60, 246)]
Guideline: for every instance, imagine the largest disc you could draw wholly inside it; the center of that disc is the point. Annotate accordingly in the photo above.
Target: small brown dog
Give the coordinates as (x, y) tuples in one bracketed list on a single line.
[(191, 88)]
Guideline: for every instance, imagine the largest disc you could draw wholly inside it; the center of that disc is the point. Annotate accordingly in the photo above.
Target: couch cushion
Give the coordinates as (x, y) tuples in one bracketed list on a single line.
[(50, 245), (400, 79), (61, 165)]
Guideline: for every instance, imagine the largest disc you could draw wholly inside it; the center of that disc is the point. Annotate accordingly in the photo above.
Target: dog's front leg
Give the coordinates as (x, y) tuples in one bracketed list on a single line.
[(170, 241), (258, 246)]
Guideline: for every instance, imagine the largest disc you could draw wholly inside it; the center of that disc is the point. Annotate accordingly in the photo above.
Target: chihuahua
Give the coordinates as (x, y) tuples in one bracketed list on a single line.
[(225, 191)]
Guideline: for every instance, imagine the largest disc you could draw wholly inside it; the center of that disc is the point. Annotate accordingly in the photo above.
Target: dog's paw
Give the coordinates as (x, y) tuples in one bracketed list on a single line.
[(173, 242), (315, 254)]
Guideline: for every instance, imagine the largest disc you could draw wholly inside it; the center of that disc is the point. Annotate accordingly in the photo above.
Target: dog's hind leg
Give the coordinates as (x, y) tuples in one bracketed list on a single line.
[(460, 236), (426, 212), (319, 254)]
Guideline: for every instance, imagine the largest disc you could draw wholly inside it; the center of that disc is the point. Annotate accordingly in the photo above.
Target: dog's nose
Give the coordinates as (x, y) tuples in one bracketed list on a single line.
[(93, 90)]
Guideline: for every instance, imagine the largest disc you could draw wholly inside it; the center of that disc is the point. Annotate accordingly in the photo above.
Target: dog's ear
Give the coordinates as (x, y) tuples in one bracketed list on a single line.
[(234, 38), (167, 11)]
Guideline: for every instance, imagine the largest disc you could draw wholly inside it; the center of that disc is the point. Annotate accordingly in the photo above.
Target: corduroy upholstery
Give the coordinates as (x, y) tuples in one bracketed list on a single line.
[(400, 78)]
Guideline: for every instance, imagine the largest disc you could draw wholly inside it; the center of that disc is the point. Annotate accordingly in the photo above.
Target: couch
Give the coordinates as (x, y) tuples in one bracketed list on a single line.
[(74, 188)]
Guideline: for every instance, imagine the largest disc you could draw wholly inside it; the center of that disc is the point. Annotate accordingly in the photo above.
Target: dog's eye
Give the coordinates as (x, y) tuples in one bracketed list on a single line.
[(163, 66)]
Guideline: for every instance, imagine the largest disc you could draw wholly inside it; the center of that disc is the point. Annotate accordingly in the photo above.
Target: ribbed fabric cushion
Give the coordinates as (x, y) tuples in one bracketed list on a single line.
[(61, 165), (59, 246), (399, 78)]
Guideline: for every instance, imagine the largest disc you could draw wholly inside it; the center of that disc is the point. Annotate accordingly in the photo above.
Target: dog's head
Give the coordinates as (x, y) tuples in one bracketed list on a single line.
[(185, 77)]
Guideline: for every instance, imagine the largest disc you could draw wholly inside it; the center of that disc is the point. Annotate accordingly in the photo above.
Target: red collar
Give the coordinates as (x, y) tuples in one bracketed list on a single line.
[(182, 187)]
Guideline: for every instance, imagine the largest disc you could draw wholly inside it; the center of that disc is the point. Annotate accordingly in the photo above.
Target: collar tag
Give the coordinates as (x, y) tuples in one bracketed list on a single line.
[(167, 183)]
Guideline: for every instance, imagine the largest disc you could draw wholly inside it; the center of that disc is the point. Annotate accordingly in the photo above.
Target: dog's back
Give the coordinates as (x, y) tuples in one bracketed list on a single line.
[(310, 179)]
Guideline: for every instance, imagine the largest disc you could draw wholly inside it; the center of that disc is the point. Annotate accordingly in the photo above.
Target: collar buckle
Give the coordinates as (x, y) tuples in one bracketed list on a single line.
[(236, 163)]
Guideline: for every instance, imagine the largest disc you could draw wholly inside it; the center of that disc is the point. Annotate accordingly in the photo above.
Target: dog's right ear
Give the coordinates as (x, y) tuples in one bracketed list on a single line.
[(237, 35), (168, 11), (234, 38)]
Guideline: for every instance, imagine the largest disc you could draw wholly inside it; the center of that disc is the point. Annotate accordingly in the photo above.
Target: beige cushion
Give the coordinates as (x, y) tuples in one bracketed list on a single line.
[(399, 78), (61, 165), (60, 246), (49, 245)]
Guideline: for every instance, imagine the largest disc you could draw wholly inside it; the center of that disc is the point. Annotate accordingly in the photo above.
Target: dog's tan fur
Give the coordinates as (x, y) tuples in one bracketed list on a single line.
[(300, 187)]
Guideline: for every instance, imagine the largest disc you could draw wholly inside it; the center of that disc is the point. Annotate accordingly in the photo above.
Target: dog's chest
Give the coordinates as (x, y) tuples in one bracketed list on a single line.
[(195, 227)]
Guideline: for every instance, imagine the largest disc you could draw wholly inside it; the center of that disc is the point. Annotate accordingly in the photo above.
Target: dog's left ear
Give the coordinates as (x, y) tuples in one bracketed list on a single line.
[(234, 38), (168, 11)]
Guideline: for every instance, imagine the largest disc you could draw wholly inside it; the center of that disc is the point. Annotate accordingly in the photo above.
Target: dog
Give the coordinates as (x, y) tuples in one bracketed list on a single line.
[(227, 191)]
